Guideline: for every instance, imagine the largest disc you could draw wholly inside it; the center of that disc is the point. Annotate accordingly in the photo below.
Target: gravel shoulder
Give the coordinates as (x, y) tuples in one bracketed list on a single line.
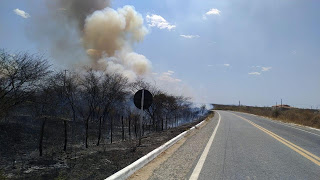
[(178, 161)]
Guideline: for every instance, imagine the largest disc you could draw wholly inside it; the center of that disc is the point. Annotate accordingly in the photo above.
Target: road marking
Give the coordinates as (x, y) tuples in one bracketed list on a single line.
[(285, 124), (315, 159), (295, 128), (196, 172)]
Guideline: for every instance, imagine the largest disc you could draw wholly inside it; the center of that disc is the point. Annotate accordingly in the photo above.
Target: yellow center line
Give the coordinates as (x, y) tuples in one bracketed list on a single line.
[(315, 159), (305, 151)]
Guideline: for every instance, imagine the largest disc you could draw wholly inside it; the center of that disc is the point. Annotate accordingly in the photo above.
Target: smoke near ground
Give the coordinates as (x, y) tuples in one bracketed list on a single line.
[(91, 33)]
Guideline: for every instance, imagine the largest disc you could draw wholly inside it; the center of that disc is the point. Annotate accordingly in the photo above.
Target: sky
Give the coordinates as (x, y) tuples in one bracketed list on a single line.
[(221, 51)]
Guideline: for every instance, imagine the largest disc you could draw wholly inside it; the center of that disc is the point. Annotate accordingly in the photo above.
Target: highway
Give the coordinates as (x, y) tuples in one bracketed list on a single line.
[(250, 147), (235, 145)]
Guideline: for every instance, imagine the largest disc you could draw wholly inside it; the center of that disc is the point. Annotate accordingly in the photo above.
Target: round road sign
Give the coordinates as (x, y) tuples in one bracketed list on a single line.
[(147, 99)]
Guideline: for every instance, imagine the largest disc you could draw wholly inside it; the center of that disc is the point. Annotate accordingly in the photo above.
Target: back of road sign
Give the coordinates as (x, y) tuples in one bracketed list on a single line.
[(147, 99)]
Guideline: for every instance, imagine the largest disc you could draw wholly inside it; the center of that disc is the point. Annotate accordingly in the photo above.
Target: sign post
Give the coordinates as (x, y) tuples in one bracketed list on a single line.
[(142, 100), (141, 116)]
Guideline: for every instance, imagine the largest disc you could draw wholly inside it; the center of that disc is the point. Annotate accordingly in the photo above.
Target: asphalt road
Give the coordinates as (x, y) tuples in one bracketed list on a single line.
[(250, 147)]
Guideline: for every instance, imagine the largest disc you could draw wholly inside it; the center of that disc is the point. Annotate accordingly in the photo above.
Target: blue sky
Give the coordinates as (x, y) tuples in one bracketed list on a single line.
[(254, 51)]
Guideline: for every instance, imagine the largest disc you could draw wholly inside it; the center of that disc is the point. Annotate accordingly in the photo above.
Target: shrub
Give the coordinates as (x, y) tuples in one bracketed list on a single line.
[(275, 113)]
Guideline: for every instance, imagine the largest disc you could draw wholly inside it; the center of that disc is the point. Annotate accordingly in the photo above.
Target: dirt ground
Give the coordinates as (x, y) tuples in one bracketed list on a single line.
[(96, 162)]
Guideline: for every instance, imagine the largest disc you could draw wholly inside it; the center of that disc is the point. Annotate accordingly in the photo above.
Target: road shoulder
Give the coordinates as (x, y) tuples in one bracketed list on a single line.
[(178, 161)]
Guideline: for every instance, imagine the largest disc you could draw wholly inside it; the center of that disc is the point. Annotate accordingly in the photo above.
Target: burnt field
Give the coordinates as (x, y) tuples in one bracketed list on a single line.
[(20, 155), (79, 124)]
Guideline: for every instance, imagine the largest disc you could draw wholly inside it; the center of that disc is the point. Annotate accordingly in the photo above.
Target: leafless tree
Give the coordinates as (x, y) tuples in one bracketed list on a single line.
[(43, 108), (165, 107), (65, 90), (90, 96), (20, 76), (114, 92)]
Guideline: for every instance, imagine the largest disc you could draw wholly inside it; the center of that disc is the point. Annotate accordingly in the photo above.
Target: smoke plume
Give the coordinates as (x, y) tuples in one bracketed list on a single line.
[(78, 10), (109, 35), (90, 32)]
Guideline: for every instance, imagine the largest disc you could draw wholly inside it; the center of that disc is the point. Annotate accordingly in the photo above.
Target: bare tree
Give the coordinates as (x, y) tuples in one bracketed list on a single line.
[(140, 84), (65, 89), (156, 110), (20, 77), (43, 108), (165, 107), (71, 89), (90, 94), (114, 92)]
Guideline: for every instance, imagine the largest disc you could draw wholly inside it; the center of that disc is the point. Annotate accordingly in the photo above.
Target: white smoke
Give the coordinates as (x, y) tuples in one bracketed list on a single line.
[(109, 35), (90, 33)]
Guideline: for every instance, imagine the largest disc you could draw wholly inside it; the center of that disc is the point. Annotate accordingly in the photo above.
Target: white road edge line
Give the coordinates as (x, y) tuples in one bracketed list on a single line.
[(196, 172), (285, 124), (297, 128)]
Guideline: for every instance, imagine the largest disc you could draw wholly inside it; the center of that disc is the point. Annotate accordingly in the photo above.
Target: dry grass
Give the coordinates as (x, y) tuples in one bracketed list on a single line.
[(306, 117), (210, 115)]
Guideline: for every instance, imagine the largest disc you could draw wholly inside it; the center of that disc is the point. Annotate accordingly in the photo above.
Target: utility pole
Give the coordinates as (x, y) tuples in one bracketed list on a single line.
[(281, 103), (239, 103)]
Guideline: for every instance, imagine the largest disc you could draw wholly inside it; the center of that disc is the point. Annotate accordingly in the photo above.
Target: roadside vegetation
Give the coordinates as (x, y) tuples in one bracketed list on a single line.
[(51, 119), (306, 117)]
